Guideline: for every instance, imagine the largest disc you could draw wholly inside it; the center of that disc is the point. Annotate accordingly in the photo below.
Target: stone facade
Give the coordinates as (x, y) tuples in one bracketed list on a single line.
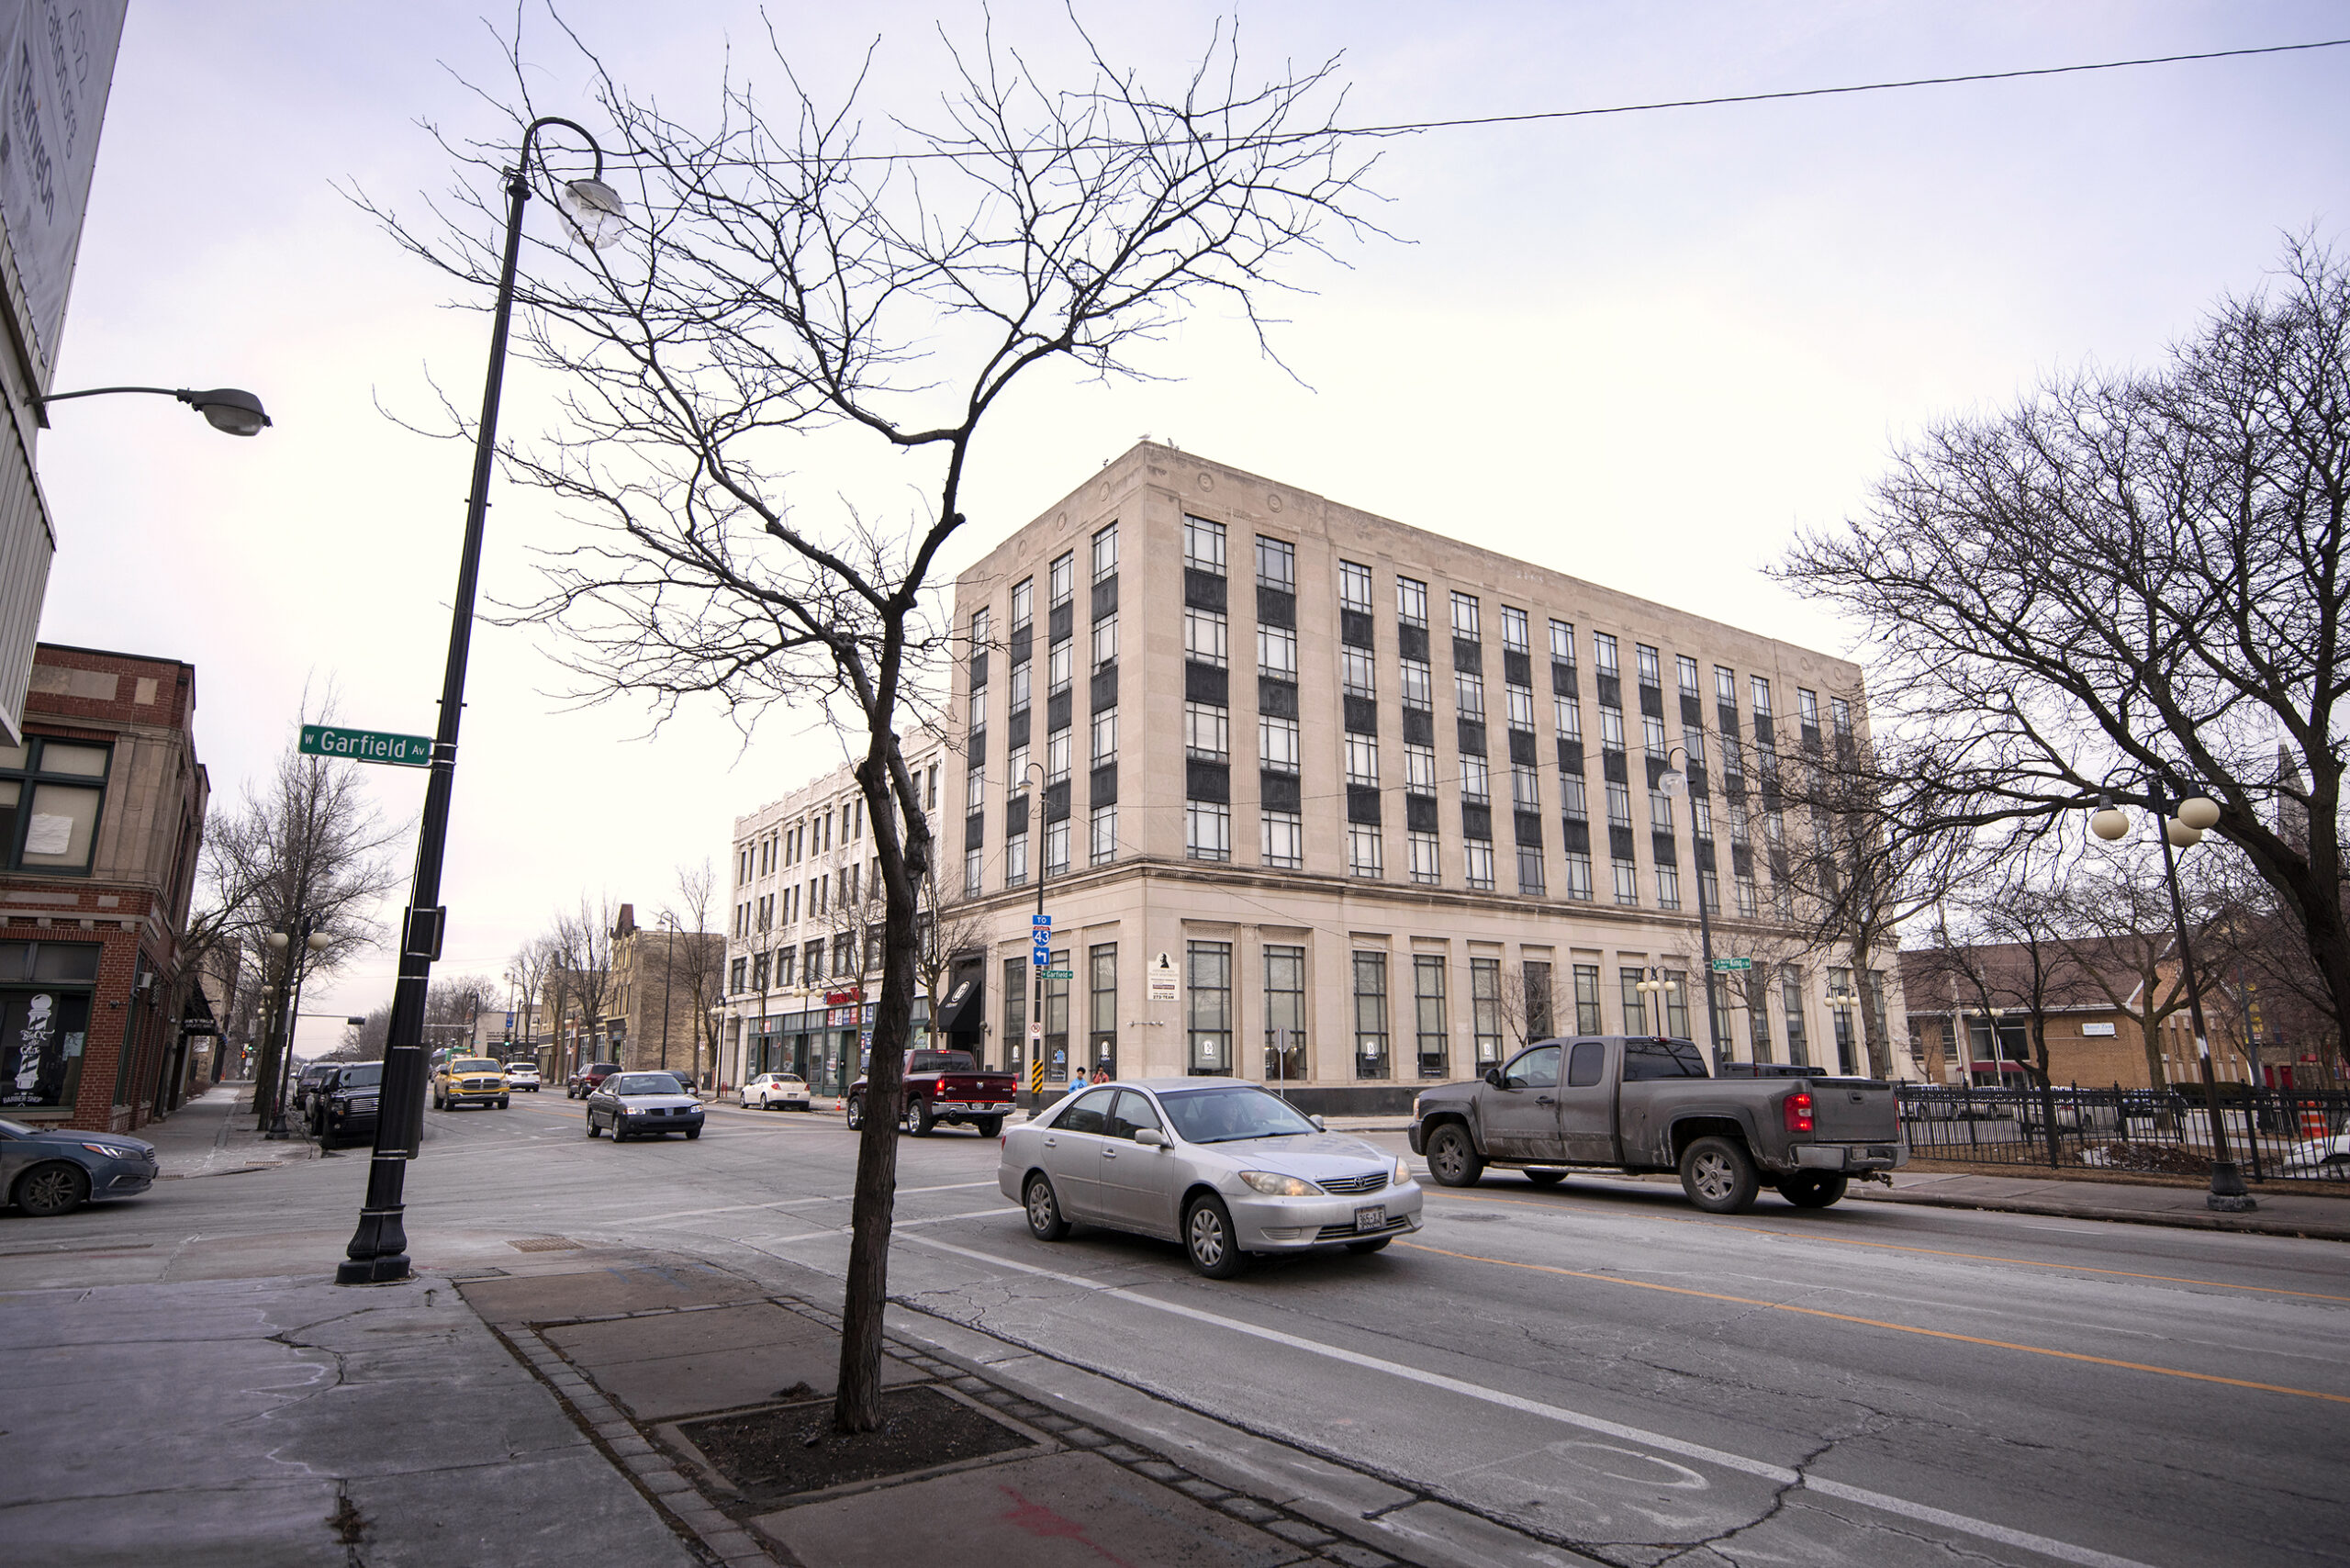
[(101, 820), (655, 970)]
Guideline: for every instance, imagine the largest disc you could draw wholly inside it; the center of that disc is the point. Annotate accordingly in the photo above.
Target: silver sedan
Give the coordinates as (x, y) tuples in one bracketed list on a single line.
[(1216, 1163)]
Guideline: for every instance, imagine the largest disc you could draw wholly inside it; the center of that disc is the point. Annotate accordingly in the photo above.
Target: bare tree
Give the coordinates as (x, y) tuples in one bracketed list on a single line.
[(579, 980), (2124, 946), (788, 280), (2134, 577), (1536, 1002), (530, 972), (950, 926), (698, 969)]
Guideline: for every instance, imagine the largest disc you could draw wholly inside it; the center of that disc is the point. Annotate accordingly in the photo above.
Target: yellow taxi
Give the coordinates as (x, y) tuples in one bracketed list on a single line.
[(469, 1080)]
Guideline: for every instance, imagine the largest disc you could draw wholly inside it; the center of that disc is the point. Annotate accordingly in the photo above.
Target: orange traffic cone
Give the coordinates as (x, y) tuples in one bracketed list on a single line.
[(2312, 1124)]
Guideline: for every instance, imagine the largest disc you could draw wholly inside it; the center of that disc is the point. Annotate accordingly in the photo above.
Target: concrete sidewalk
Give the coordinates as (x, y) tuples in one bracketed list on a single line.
[(213, 1135), (2281, 1212)]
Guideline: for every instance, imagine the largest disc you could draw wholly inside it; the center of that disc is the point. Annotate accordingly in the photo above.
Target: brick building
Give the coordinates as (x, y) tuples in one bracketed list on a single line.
[(101, 819), (663, 983)]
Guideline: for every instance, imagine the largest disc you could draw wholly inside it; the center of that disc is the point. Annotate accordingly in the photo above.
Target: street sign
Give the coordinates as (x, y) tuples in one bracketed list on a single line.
[(1162, 978), (1060, 974), (366, 745), (1731, 965), (1041, 921), (1035, 1031)]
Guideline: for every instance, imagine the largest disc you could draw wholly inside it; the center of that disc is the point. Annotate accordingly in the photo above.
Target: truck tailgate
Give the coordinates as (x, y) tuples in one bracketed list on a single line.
[(975, 1086), (1849, 1110)]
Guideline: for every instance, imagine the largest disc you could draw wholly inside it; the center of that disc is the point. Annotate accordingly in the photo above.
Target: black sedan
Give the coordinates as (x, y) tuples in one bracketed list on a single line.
[(629, 1103), (54, 1170)]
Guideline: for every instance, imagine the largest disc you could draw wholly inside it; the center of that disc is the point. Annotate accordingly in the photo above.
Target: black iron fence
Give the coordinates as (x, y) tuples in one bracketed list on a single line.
[(2274, 1134)]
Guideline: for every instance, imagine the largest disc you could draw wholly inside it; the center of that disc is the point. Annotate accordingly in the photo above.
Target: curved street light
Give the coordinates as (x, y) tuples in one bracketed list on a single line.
[(378, 1249), (224, 408)]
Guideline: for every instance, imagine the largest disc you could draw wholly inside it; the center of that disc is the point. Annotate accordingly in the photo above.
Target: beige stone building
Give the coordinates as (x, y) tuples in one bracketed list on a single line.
[(664, 980), (1321, 798)]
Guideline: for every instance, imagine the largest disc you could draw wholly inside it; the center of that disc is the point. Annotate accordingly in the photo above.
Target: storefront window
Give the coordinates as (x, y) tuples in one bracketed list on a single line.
[(45, 989), (1208, 975)]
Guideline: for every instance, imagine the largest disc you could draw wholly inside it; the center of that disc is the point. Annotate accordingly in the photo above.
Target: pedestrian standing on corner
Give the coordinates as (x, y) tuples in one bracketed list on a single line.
[(1077, 1085)]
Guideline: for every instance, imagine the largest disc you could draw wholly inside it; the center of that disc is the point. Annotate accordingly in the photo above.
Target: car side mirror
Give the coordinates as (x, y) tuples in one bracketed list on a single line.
[(1319, 1124), (1150, 1137), (1494, 1077)]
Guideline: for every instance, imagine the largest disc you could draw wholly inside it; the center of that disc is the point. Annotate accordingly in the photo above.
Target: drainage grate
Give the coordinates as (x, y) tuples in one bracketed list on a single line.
[(547, 1244)]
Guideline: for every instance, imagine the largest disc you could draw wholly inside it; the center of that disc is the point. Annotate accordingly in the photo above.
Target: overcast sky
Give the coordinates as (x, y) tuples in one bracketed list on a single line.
[(1641, 349)]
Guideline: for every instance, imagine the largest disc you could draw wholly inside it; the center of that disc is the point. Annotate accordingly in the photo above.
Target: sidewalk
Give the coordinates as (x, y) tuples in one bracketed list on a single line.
[(2281, 1212), (212, 1135)]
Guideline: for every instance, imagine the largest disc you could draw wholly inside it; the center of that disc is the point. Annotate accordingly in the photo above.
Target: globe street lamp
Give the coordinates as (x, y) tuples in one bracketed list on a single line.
[(1672, 781), (378, 1249), (2184, 819), (1659, 985), (224, 408)]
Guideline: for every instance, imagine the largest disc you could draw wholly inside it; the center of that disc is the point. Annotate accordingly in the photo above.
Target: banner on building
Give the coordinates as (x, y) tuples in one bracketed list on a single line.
[(53, 84)]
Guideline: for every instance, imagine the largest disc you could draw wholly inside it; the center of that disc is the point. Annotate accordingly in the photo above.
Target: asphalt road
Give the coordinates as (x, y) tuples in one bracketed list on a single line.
[(1599, 1365)]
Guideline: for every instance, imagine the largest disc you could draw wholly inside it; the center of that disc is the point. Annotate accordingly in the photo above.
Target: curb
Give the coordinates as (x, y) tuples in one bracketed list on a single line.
[(2174, 1220)]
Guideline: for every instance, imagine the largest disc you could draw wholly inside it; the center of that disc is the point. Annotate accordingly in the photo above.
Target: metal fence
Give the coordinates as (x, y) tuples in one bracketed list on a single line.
[(2274, 1134)]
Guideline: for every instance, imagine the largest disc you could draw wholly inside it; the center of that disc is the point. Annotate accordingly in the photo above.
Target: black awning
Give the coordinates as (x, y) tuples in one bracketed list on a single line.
[(963, 1011)]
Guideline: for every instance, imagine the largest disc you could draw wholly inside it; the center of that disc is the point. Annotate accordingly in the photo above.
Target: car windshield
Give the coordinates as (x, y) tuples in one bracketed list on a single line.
[(366, 1075), (643, 1083), (472, 1064), (1227, 1116)]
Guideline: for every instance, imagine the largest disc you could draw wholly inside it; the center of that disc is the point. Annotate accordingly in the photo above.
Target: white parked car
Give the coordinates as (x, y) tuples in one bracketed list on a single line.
[(1214, 1163), (523, 1075), (775, 1091), (2328, 1157)]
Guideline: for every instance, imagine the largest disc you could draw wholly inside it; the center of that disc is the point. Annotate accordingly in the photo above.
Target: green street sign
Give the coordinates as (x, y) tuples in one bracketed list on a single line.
[(366, 745), (1060, 974), (1730, 966)]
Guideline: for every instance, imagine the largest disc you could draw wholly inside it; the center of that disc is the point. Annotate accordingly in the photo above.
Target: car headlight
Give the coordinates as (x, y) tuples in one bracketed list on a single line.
[(1402, 1172), (1274, 1186), (1416, 1107), (110, 1151)]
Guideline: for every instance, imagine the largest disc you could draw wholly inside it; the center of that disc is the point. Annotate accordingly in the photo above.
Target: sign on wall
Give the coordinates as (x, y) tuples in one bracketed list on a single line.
[(53, 84)]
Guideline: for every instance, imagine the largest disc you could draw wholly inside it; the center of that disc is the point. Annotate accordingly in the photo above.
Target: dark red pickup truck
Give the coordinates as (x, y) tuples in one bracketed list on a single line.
[(945, 1086)]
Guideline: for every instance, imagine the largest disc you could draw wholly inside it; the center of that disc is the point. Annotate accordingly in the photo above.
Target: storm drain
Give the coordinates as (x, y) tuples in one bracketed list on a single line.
[(547, 1244)]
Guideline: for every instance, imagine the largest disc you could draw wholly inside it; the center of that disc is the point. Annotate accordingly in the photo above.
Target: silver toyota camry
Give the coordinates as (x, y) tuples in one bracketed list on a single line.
[(1216, 1163)]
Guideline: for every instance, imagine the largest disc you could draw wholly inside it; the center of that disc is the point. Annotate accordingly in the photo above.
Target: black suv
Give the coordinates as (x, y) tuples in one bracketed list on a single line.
[(307, 1082), (343, 1108)]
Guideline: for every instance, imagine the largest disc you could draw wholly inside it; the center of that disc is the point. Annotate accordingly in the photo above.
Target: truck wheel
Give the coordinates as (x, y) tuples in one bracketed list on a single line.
[(1208, 1239), (1814, 1189), (919, 1121), (853, 1109), (1546, 1178), (1044, 1221), (988, 1127), (1453, 1159), (1719, 1176)]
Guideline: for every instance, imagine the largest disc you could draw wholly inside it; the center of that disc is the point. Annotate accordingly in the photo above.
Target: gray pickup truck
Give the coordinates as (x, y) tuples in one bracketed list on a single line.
[(1633, 1104)]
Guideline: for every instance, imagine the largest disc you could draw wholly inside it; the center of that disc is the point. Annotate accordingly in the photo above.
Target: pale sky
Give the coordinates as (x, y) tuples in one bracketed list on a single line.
[(1641, 349)]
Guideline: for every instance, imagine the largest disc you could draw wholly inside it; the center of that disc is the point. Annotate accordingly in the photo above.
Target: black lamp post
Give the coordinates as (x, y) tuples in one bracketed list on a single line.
[(2184, 819), (1672, 781), (224, 408), (378, 1249)]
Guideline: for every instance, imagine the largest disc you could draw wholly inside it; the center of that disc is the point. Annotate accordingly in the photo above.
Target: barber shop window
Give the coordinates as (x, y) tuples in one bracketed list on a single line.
[(44, 1021), (50, 792)]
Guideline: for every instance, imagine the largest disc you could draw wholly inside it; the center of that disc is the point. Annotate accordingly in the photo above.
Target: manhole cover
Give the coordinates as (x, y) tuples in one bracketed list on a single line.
[(547, 1244), (768, 1454)]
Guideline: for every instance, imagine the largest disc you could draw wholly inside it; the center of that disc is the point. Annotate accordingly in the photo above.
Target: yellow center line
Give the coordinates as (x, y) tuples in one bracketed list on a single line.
[(1934, 1251), (1880, 1323)]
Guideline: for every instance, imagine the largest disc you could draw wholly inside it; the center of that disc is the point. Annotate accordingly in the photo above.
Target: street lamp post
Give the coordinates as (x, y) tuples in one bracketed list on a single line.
[(285, 1004), (223, 407), (1656, 983), (378, 1249), (1672, 781), (2184, 819)]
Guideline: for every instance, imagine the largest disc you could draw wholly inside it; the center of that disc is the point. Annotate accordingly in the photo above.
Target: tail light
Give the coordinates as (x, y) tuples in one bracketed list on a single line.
[(1797, 1108)]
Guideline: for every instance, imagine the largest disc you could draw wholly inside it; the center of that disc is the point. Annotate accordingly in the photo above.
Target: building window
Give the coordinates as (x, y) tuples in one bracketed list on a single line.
[(1521, 708), (1476, 783), (1020, 674), (1207, 732), (1603, 653), (1587, 1018), (1060, 664), (979, 710), (1761, 691), (1105, 552), (1208, 979), (1619, 804), (51, 794), (1205, 635), (1056, 848), (1015, 1012), (1418, 685), (1015, 860), (1411, 601), (1355, 676), (1660, 812), (1362, 760), (1105, 737), (1668, 888), (1015, 774), (1687, 668), (1562, 641), (1651, 674), (759, 971), (1486, 1010), (1530, 869), (1204, 545), (1370, 1015), (1062, 575), (1710, 888), (1676, 1004), (1105, 835), (1479, 857), (1023, 602), (1354, 586), (1427, 998), (1611, 728), (1057, 758), (1469, 692), (1277, 652), (1363, 851), (1284, 1014), (1207, 830), (1806, 708), (1422, 847), (1277, 748), (1056, 1041), (783, 960), (1276, 564), (1627, 886), (1749, 904), (1758, 1013), (1513, 633), (1839, 717), (1636, 1001), (1464, 615), (1102, 963), (972, 886), (1573, 801), (1567, 711), (1579, 874), (1525, 786), (1420, 768), (738, 975), (1282, 837), (1105, 641)]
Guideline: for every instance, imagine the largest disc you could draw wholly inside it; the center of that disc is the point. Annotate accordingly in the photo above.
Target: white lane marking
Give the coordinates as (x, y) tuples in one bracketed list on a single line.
[(1778, 1475), (785, 1204)]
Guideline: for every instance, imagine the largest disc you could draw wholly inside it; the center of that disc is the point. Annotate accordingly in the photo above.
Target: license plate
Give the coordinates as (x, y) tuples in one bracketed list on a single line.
[(1371, 1218)]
